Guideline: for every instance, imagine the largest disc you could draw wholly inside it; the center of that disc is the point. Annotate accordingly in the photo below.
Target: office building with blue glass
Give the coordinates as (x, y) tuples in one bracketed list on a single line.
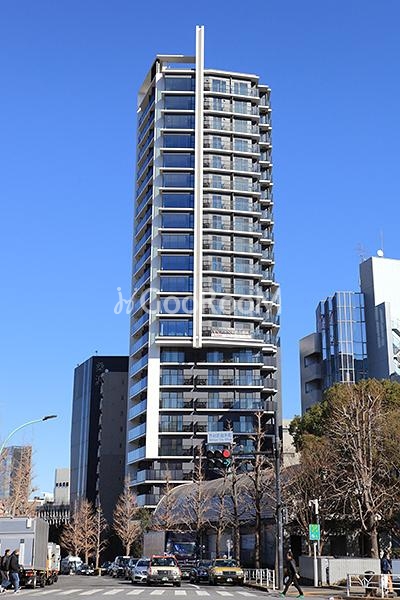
[(205, 302)]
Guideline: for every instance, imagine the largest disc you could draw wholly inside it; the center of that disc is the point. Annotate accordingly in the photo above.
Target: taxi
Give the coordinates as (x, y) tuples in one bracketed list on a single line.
[(225, 570)]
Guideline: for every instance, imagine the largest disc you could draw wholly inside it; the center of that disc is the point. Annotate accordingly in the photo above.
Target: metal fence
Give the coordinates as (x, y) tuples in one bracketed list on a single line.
[(373, 584), (265, 577)]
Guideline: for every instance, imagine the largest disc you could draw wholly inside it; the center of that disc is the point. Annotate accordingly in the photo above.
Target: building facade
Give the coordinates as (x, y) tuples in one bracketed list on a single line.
[(380, 284), (205, 302), (16, 471), (61, 486), (98, 431), (337, 352)]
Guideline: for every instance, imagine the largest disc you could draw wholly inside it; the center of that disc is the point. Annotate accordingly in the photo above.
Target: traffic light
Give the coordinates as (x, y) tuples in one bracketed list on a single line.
[(217, 459), (226, 458)]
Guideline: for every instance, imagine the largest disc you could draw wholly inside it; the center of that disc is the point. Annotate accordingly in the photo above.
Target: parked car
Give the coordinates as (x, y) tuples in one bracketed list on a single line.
[(164, 569), (225, 570), (85, 569), (139, 571), (119, 564), (200, 571), (129, 567), (105, 567)]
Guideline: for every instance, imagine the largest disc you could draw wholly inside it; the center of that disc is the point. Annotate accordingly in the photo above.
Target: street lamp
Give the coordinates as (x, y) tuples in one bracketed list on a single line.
[(46, 418)]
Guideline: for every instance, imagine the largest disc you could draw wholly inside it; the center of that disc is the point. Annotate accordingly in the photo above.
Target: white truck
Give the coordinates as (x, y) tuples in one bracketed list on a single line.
[(30, 537)]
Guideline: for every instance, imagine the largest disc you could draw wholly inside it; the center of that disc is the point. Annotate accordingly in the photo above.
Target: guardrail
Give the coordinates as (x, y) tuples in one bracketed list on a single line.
[(265, 577), (373, 584)]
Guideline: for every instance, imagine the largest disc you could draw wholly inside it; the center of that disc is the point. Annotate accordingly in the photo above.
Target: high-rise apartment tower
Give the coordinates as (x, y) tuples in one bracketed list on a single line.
[(204, 320)]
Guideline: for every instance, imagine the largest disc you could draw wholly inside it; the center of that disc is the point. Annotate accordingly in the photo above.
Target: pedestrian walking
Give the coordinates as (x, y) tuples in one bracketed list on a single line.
[(13, 570), (386, 570), (4, 564), (292, 576)]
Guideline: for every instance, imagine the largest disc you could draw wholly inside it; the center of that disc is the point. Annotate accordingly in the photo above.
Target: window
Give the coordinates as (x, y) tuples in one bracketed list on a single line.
[(243, 286), (242, 125), (177, 180), (177, 262), (242, 145), (217, 181), (242, 107), (185, 84), (219, 85), (242, 164), (243, 203), (243, 224), (180, 327), (177, 200), (179, 121), (180, 102), (243, 265), (176, 306), (215, 356), (217, 142), (178, 140), (241, 87), (243, 184), (171, 159), (176, 284), (172, 355), (217, 104), (177, 220), (217, 123), (216, 161), (179, 240)]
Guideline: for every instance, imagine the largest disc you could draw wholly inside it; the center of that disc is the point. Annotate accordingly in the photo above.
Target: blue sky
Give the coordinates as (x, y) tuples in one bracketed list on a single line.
[(70, 72)]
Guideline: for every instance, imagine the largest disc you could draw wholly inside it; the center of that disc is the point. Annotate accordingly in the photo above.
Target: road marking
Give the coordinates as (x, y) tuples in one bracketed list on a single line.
[(180, 592), (69, 592), (246, 594), (112, 592), (134, 592), (42, 593), (91, 592), (202, 593), (157, 592), (224, 593)]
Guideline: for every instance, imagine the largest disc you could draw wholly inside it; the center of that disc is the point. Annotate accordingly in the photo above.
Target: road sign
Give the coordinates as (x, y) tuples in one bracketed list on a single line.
[(220, 437), (314, 531)]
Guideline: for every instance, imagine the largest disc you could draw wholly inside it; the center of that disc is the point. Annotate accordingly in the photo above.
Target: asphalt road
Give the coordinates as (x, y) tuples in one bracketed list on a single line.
[(106, 588)]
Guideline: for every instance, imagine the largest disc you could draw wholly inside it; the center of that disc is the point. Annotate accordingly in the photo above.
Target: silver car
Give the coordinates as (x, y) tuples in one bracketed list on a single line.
[(139, 571)]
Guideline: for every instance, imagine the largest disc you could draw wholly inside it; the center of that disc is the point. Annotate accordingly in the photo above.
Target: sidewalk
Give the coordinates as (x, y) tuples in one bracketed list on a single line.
[(309, 591)]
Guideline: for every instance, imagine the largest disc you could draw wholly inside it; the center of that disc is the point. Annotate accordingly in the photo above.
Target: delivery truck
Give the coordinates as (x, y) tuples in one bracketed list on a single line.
[(29, 536), (182, 545)]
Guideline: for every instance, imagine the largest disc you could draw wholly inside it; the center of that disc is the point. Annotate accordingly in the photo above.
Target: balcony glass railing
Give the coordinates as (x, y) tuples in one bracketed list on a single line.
[(237, 381), (137, 410), (176, 380), (161, 475), (135, 455), (180, 403), (139, 263), (230, 404), (138, 387), (139, 364), (143, 113), (137, 432), (139, 323), (143, 202), (142, 341), (143, 240)]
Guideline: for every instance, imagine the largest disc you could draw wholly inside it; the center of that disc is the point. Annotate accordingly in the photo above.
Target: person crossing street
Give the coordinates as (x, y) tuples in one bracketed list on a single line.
[(292, 576)]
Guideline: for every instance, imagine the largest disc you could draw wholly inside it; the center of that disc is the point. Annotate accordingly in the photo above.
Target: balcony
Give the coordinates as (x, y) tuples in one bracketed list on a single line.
[(135, 455), (176, 380), (137, 432), (138, 387), (229, 381), (176, 427), (148, 499), (142, 341), (231, 332), (176, 404), (137, 410), (230, 404), (162, 475), (139, 364)]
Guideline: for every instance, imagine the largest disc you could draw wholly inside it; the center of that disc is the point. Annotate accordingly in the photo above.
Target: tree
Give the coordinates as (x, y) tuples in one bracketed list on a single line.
[(18, 503), (261, 483), (101, 527), (126, 523), (360, 424), (79, 534), (195, 513)]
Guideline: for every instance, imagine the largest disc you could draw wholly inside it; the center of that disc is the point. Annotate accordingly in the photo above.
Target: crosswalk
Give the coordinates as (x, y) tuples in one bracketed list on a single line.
[(141, 591)]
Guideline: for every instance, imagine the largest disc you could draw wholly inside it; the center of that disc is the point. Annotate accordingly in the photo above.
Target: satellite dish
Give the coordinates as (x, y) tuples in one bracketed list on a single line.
[(380, 253)]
